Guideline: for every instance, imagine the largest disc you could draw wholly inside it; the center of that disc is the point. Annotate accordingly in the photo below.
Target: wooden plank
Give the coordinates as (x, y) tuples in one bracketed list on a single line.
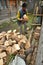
[(38, 14), (36, 24)]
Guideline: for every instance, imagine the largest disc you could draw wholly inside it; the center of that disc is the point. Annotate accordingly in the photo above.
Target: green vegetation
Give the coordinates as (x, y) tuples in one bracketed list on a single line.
[(13, 24), (10, 57)]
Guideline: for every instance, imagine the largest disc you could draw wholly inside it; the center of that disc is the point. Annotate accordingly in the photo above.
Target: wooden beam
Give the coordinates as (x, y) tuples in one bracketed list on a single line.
[(36, 24), (38, 14)]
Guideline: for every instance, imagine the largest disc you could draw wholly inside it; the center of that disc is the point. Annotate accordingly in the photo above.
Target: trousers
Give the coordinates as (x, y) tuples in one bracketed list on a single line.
[(20, 27)]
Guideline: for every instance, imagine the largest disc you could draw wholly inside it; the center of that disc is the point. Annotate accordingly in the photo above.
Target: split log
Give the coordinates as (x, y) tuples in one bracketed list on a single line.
[(36, 36), (2, 55), (14, 42), (28, 59), (10, 31), (36, 24), (14, 31), (9, 49), (15, 48), (1, 62), (1, 49), (38, 29), (6, 43), (27, 45)]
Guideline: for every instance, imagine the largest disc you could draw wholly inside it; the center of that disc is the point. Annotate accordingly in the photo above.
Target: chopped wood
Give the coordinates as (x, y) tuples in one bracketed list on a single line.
[(6, 43), (10, 31), (8, 36), (27, 45), (10, 42), (1, 43), (16, 47), (28, 59), (1, 62), (2, 55), (36, 35), (9, 49), (1, 50), (14, 42), (38, 29), (14, 31)]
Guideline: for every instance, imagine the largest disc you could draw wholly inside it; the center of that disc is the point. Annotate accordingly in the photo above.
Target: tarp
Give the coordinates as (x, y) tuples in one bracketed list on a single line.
[(18, 61)]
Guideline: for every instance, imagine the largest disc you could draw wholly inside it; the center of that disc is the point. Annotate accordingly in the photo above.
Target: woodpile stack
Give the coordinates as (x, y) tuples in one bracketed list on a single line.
[(36, 36), (10, 43)]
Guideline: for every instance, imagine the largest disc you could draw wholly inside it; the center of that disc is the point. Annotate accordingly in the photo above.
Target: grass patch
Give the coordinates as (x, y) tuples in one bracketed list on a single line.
[(13, 24), (10, 57)]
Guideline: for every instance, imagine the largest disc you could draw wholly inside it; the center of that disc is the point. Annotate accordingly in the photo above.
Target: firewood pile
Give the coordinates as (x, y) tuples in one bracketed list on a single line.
[(12, 42)]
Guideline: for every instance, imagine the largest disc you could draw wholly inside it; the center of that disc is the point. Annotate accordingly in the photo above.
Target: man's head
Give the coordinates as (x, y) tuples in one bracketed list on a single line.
[(24, 5)]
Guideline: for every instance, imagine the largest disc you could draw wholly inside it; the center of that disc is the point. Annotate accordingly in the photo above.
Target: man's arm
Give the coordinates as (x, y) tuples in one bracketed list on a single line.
[(18, 16)]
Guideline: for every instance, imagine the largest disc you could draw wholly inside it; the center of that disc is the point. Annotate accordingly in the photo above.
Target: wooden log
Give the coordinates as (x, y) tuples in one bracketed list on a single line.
[(15, 48), (27, 45), (1, 43), (9, 49), (36, 24), (1, 62), (38, 14), (6, 43), (28, 59), (36, 35), (1, 49), (10, 31), (2, 55), (14, 42), (14, 31), (38, 29)]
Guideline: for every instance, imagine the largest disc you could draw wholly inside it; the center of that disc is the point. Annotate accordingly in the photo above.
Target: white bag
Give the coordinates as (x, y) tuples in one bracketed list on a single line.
[(18, 61)]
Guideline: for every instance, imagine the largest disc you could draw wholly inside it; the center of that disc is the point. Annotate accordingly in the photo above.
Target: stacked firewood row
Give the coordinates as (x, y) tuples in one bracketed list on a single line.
[(31, 57), (36, 36)]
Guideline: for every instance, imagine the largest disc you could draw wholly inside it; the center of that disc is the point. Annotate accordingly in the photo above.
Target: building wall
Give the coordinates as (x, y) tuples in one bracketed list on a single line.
[(5, 3)]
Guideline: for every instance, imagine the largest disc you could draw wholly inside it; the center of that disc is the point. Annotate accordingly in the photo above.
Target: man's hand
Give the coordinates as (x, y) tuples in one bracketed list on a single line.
[(21, 19)]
